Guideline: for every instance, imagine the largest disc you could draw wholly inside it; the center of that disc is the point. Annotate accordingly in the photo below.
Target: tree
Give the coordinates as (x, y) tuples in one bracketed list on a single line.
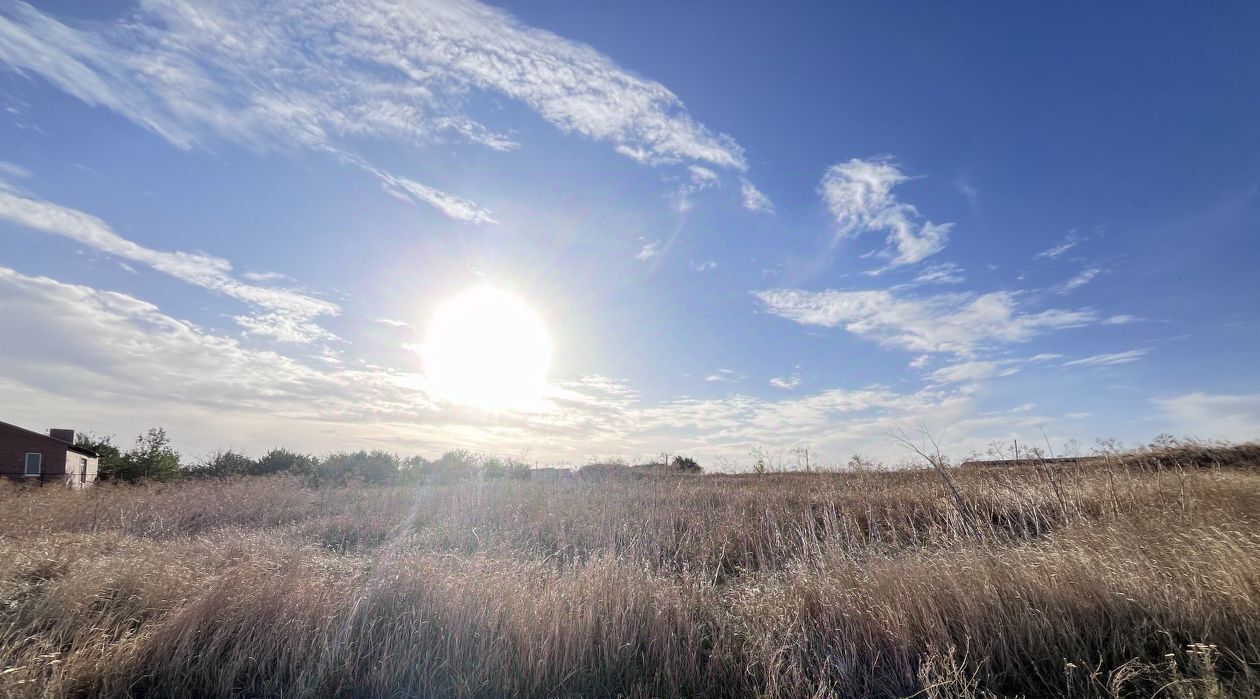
[(152, 458), (517, 469), (377, 466), (686, 464), (370, 467), (413, 469), (455, 465), (492, 467)]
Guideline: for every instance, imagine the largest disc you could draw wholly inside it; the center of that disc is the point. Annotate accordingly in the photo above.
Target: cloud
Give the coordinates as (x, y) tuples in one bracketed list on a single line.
[(786, 382), (1213, 415), (391, 323), (266, 277), (706, 266), (649, 251), (859, 195), (947, 323), (700, 179), (288, 315), (1055, 252), (452, 206), (967, 371), (941, 273), (725, 376), (969, 191), (753, 199), (1121, 320), (316, 75), (1109, 359), (1076, 282), (13, 170), (74, 339)]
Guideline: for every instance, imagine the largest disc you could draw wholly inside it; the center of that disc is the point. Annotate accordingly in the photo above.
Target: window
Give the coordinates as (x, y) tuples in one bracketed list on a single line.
[(34, 462)]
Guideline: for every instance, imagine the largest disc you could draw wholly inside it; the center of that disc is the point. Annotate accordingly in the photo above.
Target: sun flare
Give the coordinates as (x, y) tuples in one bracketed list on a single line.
[(488, 349)]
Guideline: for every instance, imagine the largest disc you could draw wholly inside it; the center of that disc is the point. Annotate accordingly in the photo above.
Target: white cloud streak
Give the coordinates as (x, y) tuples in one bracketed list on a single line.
[(1110, 358), (1057, 251), (287, 315), (859, 195), (1077, 281), (959, 324), (13, 170), (725, 376), (941, 273), (966, 371)]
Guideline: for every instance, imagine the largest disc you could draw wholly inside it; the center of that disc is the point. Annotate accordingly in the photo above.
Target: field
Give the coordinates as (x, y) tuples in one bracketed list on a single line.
[(1133, 576)]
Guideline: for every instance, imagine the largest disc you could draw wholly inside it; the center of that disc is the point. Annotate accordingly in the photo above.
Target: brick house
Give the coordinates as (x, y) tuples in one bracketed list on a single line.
[(29, 456)]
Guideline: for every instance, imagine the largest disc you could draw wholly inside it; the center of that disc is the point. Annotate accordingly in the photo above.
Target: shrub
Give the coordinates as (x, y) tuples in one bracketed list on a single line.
[(283, 461), (686, 464)]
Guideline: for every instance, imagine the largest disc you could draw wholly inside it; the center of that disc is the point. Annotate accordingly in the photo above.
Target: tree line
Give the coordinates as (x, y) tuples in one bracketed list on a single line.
[(152, 458)]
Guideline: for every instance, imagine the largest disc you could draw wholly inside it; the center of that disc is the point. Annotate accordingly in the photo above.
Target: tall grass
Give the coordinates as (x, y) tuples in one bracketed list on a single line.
[(1126, 578)]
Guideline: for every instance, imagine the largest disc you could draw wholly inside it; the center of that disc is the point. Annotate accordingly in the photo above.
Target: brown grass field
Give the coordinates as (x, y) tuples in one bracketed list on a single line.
[(1135, 576)]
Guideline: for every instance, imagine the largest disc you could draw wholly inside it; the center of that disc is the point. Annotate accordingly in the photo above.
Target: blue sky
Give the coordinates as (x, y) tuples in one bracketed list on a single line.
[(742, 229)]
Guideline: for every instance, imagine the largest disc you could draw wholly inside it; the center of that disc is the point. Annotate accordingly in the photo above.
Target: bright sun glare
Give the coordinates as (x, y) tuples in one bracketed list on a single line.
[(488, 349)]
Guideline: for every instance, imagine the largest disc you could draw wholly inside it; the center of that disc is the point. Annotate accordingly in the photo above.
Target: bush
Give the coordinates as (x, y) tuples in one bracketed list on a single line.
[(455, 465), (224, 463), (284, 461), (686, 464)]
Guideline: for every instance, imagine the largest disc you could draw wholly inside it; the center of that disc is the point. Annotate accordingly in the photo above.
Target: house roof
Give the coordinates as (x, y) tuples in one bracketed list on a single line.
[(54, 440)]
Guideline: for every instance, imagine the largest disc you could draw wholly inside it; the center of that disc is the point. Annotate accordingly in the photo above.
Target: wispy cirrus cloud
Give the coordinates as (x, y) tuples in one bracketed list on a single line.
[(957, 324), (284, 314), (1056, 251), (966, 371), (941, 273), (725, 376), (315, 75), (1109, 359), (753, 199), (859, 194), (1084, 277), (13, 170)]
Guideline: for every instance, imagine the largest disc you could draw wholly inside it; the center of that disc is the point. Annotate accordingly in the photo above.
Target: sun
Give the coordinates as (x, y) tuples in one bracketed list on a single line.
[(486, 348)]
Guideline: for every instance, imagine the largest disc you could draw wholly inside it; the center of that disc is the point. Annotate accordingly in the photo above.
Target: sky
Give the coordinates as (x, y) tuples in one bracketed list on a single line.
[(739, 229)]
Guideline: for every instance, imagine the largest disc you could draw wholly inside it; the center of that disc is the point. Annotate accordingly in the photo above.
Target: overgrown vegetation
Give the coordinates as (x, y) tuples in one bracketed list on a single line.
[(1132, 575)]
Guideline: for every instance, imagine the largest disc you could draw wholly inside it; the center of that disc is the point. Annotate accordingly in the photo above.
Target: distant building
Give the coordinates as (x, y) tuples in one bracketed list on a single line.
[(29, 456)]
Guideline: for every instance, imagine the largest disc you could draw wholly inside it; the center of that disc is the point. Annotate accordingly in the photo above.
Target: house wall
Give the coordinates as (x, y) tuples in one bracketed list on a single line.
[(73, 472), (60, 463), (13, 450)]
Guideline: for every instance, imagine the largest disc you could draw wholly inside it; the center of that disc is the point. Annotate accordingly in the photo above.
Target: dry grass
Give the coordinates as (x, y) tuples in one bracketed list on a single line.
[(1133, 577)]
